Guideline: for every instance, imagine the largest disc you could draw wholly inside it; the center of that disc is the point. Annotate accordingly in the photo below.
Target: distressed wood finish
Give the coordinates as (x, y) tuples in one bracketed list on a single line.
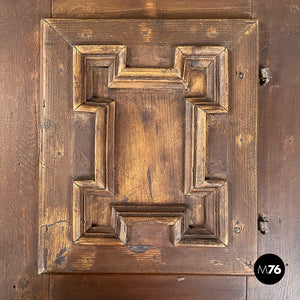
[(278, 159), (147, 287), (19, 87), (151, 9), (166, 113), (125, 217), (103, 180), (278, 145)]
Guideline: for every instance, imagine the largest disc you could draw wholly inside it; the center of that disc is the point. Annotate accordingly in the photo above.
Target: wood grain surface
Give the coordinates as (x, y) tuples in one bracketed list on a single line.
[(278, 167), (169, 287), (278, 145), (150, 144), (151, 9), (19, 94)]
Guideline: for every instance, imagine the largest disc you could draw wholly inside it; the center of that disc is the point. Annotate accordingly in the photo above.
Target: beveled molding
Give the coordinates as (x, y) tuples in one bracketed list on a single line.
[(210, 95), (103, 182), (65, 239), (124, 217), (210, 59), (175, 216)]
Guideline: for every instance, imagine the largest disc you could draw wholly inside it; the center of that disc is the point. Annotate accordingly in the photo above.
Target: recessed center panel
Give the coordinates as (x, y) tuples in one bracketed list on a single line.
[(149, 146), (84, 146)]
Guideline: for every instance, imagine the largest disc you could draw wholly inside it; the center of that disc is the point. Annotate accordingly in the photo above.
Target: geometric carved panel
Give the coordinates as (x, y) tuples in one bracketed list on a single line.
[(202, 71), (104, 147), (152, 141)]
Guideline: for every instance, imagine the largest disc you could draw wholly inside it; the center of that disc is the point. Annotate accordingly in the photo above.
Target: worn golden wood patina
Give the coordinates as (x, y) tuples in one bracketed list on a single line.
[(154, 9), (278, 150), (173, 120)]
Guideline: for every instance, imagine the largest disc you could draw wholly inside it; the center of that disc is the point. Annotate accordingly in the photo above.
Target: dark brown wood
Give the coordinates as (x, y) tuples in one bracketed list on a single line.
[(278, 145), (151, 9), (278, 157), (147, 287), (19, 86)]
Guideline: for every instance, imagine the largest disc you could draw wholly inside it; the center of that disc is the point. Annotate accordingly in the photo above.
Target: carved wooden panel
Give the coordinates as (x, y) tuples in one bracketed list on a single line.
[(148, 158)]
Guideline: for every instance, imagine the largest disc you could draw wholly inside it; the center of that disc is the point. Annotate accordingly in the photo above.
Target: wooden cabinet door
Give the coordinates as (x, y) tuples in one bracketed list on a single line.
[(148, 146)]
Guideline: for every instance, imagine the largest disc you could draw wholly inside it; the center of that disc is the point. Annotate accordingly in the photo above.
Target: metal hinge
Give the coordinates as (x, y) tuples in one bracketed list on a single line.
[(265, 76), (263, 224)]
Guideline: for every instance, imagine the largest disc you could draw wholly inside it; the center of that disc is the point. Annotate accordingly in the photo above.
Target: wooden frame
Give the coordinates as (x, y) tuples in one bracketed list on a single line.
[(63, 245)]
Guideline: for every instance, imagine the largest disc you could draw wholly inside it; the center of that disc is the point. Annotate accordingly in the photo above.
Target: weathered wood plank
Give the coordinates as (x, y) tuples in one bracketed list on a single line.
[(19, 94), (147, 287), (278, 145), (150, 34), (56, 150), (151, 9)]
